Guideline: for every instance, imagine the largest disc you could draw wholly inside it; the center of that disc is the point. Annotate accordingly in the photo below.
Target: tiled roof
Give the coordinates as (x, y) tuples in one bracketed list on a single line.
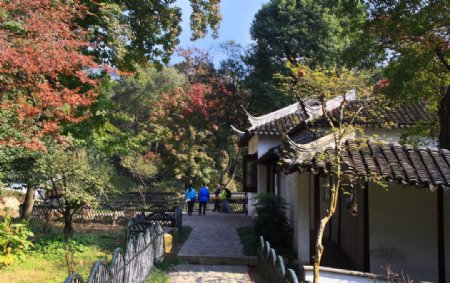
[(393, 162), (399, 116), (275, 127), (281, 125)]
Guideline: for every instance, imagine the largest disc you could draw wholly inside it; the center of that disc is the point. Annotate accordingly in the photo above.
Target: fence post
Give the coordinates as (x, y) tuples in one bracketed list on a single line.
[(280, 269), (270, 266), (291, 277)]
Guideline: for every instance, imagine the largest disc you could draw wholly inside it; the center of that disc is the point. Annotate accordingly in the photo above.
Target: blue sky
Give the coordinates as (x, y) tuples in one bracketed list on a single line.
[(237, 16)]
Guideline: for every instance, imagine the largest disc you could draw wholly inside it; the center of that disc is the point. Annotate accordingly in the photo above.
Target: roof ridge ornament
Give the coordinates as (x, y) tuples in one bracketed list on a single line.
[(256, 121), (237, 131), (310, 106)]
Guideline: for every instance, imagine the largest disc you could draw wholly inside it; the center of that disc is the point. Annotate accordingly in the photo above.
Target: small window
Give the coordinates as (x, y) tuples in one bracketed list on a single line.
[(250, 173)]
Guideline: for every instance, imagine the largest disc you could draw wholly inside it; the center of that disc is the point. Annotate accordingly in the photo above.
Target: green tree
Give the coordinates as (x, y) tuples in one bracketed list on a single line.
[(219, 103), (75, 176), (130, 33), (412, 38), (134, 100), (327, 83), (197, 117), (293, 30)]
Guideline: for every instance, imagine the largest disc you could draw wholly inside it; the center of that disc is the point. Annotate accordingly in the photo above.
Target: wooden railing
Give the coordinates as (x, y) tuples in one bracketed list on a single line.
[(131, 266), (270, 266), (113, 211)]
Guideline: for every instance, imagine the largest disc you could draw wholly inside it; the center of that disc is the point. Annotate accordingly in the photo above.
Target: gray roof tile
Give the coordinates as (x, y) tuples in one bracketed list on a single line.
[(395, 163)]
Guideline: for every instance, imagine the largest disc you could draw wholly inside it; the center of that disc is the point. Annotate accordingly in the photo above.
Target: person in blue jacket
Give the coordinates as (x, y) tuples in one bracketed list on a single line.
[(203, 197), (190, 196)]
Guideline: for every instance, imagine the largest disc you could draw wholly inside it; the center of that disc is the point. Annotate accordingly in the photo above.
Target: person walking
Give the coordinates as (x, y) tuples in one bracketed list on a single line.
[(225, 196), (190, 196), (216, 199), (203, 197)]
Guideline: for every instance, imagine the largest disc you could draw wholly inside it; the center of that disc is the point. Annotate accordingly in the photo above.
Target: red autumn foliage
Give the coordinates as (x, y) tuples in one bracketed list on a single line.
[(149, 156), (381, 84), (44, 76), (212, 97)]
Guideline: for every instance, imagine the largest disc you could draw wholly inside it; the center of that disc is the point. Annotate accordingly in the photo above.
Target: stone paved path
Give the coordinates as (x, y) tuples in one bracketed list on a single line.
[(214, 235), (215, 247)]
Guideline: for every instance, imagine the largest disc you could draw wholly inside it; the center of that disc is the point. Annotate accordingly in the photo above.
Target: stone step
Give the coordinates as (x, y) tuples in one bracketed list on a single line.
[(219, 260)]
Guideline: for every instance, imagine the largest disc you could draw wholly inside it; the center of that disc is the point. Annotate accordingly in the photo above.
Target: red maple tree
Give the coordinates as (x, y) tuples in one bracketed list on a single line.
[(44, 76)]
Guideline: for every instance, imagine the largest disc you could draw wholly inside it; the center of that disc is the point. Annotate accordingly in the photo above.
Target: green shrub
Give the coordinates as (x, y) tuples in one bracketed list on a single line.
[(271, 221), (248, 240), (13, 236)]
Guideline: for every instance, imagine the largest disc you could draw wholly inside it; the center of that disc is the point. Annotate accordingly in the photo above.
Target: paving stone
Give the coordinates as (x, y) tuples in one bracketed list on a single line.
[(214, 234), (213, 240), (210, 273)]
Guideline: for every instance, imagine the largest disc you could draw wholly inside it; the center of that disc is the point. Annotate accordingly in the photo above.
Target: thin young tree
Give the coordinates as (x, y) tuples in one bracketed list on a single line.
[(326, 84)]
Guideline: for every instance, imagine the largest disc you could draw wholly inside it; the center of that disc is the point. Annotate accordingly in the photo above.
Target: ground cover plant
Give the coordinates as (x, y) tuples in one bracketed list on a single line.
[(46, 262), (14, 235)]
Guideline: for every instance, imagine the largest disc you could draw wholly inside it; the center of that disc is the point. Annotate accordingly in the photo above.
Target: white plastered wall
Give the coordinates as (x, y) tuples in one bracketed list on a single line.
[(252, 149), (403, 231), (260, 145), (393, 135), (264, 144), (253, 145), (294, 188), (291, 189), (387, 135)]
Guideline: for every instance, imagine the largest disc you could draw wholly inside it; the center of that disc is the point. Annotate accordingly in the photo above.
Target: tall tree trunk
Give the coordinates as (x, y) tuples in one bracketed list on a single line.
[(28, 203), (68, 228), (231, 168), (444, 120), (323, 223)]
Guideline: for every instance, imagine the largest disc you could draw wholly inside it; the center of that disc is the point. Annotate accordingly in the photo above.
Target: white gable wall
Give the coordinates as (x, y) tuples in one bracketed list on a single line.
[(264, 144), (267, 142), (403, 231), (253, 144)]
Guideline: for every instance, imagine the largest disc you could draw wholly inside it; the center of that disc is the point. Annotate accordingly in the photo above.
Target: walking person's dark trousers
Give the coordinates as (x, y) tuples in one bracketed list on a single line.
[(190, 207), (216, 205), (202, 204)]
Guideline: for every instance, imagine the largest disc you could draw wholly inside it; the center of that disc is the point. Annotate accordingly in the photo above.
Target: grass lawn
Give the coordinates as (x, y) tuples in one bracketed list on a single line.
[(46, 261)]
